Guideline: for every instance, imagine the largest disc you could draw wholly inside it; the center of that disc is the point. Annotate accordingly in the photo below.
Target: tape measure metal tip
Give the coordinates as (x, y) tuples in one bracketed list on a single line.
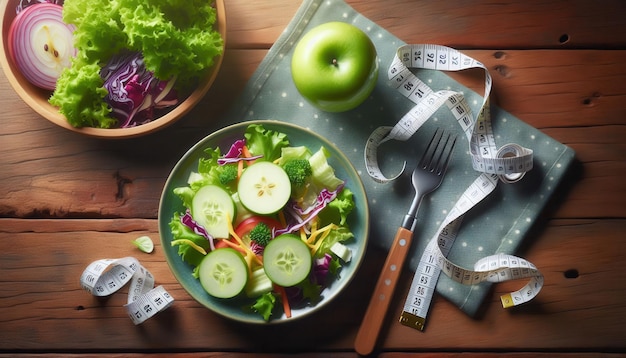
[(413, 321), (507, 300)]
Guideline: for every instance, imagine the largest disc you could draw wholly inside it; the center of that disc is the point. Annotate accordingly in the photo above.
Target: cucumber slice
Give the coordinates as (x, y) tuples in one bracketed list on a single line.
[(211, 207), (264, 188), (223, 273), (287, 260)]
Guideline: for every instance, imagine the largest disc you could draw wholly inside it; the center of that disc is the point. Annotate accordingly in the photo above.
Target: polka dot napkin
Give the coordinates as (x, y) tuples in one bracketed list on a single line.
[(498, 224)]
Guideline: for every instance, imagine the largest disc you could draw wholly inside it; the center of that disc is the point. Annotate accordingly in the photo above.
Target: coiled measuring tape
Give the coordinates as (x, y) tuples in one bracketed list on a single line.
[(507, 164), (144, 300)]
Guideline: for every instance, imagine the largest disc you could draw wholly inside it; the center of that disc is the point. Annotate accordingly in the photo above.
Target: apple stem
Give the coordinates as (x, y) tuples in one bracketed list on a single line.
[(335, 62)]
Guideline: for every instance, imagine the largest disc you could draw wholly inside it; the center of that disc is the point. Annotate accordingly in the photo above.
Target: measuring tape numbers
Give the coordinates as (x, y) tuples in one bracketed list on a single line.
[(506, 164), (106, 276)]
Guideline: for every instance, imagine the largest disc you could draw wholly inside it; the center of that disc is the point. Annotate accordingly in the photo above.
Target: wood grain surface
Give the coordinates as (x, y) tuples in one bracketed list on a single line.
[(66, 200)]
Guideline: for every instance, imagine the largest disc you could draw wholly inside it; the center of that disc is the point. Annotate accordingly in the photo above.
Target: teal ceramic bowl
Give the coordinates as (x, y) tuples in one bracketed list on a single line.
[(233, 308)]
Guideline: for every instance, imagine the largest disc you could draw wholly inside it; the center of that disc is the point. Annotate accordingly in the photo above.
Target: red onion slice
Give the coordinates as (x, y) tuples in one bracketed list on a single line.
[(41, 44)]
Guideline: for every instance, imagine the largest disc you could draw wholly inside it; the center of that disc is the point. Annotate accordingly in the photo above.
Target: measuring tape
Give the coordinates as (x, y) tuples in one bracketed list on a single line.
[(507, 164), (479, 132), (144, 300)]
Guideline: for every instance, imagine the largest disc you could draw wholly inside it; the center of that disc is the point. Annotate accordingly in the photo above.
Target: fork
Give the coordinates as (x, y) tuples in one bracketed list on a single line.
[(426, 177)]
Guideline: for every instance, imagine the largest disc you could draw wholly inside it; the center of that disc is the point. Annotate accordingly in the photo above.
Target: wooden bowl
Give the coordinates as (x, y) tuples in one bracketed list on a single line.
[(37, 98)]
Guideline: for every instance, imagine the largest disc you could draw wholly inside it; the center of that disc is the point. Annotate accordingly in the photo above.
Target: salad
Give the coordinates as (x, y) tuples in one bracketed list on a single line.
[(266, 221), (114, 63)]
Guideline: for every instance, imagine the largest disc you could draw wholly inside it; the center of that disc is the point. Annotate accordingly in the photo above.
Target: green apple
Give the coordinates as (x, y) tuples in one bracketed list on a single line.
[(334, 66)]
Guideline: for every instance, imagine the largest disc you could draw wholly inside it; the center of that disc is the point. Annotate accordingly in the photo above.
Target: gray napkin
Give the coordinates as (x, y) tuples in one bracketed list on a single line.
[(496, 225)]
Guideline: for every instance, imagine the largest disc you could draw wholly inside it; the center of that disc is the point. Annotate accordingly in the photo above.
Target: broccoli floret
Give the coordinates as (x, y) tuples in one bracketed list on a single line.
[(228, 174), (261, 234), (298, 171)]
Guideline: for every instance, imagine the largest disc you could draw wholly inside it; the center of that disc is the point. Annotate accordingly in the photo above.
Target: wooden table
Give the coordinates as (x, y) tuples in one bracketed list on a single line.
[(66, 200)]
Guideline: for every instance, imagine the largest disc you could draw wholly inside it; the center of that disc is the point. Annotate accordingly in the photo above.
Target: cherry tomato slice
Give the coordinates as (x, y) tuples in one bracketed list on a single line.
[(248, 224)]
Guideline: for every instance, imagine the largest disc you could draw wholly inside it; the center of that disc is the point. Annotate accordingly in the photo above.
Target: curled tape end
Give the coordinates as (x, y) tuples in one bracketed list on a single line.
[(402, 170), (507, 301), (397, 175), (511, 178), (382, 179), (508, 151), (144, 300)]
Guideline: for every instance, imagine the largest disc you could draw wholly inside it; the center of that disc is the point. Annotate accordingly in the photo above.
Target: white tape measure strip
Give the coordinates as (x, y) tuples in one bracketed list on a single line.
[(144, 300), (494, 268), (507, 164), (482, 144)]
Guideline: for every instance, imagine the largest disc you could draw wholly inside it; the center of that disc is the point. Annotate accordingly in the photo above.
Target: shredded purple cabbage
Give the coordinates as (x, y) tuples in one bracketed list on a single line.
[(236, 149), (188, 221), (222, 161), (321, 268), (234, 154), (296, 213), (23, 4), (319, 277), (323, 198), (294, 295), (133, 91), (256, 248), (166, 96)]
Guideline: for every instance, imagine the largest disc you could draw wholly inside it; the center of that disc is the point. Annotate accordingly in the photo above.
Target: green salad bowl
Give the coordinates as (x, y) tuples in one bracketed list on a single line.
[(236, 308)]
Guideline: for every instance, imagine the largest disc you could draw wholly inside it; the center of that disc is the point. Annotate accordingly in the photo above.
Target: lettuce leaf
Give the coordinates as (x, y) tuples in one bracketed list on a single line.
[(186, 252), (264, 305), (337, 211), (80, 97), (209, 172), (337, 235), (265, 142), (323, 174), (174, 36), (291, 153), (99, 34)]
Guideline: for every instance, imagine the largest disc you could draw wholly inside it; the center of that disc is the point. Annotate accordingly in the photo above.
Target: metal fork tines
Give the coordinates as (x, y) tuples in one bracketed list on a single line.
[(429, 172), (426, 177)]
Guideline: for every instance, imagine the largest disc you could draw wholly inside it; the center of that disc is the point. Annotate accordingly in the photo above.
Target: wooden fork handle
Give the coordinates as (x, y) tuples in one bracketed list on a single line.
[(383, 292)]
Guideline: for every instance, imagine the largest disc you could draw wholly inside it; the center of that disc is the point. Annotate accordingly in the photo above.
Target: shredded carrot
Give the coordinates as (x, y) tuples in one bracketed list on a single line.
[(320, 241), (303, 235), (314, 233), (314, 224), (239, 168), (190, 243), (233, 245), (325, 231), (281, 218), (246, 153), (249, 254), (283, 298), (305, 239)]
